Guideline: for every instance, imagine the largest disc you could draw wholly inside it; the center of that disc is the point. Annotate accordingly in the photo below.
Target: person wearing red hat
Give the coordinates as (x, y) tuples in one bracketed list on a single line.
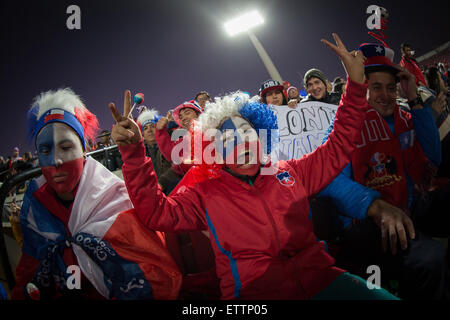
[(183, 115), (411, 64), (293, 97), (382, 195)]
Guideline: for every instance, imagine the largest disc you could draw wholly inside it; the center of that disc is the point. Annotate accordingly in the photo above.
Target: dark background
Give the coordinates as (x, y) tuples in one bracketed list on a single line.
[(169, 50)]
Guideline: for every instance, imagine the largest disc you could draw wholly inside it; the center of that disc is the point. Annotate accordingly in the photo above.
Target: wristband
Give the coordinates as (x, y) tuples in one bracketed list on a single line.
[(415, 102)]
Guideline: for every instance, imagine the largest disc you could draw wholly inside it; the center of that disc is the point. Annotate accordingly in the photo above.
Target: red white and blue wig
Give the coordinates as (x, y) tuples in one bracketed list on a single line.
[(147, 116), (258, 114), (62, 106)]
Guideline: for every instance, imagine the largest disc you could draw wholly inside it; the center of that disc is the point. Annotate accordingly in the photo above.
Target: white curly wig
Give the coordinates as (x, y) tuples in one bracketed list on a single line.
[(258, 114), (223, 108)]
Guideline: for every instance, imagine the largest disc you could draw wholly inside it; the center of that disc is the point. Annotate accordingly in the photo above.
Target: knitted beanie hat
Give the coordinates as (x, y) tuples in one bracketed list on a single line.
[(314, 73)]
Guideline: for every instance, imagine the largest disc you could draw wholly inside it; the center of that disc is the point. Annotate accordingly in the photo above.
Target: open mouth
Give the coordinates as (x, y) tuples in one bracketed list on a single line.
[(245, 158), (317, 93), (384, 104), (60, 177)]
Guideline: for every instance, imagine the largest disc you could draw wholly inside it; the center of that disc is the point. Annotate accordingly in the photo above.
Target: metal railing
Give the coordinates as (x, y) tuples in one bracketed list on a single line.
[(6, 187)]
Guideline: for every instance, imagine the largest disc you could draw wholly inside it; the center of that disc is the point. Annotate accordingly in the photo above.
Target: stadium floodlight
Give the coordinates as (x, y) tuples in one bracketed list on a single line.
[(244, 23)]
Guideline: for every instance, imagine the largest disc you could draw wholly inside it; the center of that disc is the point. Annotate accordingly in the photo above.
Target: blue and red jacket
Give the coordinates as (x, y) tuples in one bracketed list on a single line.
[(261, 233)]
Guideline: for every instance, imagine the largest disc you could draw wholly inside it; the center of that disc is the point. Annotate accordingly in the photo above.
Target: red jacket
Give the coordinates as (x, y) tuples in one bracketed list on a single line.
[(165, 145), (411, 65), (382, 158), (261, 234)]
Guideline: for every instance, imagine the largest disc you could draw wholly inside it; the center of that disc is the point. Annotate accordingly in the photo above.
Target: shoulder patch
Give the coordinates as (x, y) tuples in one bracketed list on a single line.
[(285, 179)]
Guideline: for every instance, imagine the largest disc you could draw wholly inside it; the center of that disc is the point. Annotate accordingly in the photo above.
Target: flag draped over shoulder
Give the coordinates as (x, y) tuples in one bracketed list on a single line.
[(115, 251)]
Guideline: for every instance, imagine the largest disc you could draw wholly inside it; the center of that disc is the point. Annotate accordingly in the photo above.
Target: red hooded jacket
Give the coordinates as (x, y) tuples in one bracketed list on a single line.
[(411, 65), (261, 233)]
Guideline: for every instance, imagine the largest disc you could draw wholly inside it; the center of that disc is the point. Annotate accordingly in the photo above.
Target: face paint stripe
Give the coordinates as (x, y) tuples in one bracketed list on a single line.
[(58, 142), (65, 177), (46, 146), (229, 148)]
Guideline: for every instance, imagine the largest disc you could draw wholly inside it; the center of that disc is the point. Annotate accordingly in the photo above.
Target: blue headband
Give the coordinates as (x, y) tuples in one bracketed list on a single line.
[(60, 115)]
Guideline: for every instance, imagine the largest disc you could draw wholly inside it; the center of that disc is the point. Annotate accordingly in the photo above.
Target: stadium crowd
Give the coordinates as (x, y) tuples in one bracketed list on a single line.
[(225, 230)]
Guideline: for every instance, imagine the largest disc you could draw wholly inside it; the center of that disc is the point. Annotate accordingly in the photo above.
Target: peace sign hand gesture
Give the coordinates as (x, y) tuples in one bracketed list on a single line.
[(125, 131), (353, 61)]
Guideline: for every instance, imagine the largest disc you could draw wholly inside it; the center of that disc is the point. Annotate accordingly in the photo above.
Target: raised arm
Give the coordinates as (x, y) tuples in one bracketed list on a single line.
[(157, 211), (425, 127), (163, 139), (320, 167)]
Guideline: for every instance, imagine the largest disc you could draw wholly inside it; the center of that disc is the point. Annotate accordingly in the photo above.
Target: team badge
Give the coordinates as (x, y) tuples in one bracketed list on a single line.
[(285, 179)]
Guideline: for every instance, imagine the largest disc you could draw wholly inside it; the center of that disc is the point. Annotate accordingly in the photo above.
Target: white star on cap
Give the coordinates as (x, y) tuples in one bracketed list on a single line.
[(379, 49)]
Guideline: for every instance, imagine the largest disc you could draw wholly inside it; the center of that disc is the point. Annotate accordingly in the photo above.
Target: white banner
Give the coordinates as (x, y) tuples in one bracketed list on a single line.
[(303, 128)]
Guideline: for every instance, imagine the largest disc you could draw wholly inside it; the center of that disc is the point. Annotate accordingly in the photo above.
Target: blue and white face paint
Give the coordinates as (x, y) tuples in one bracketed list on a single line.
[(240, 146), (61, 156)]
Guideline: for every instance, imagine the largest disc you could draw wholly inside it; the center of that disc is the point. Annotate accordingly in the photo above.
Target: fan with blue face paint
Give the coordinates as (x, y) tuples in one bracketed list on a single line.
[(58, 123), (60, 155), (91, 205), (240, 146)]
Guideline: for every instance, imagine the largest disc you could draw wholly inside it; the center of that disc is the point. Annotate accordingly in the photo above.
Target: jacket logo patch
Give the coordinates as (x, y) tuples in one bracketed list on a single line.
[(406, 139), (381, 171), (285, 179)]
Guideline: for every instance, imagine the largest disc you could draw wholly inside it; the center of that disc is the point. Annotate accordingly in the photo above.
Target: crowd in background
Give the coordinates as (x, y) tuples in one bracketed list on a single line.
[(432, 81)]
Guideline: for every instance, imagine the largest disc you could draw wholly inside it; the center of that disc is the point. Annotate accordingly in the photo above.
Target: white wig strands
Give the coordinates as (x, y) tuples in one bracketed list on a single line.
[(64, 99), (147, 115), (222, 108)]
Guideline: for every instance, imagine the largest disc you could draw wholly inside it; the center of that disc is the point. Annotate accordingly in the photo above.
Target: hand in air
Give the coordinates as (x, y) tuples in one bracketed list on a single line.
[(126, 130), (353, 61)]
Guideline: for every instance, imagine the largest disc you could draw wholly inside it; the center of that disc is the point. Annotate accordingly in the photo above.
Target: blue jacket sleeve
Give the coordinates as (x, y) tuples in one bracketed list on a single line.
[(427, 133), (349, 197)]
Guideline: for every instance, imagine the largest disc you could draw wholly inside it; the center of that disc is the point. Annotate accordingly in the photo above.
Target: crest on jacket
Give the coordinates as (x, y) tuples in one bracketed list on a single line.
[(285, 179), (381, 171)]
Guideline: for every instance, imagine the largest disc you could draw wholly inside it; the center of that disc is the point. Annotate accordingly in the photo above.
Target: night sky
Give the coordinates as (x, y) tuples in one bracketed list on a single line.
[(169, 50)]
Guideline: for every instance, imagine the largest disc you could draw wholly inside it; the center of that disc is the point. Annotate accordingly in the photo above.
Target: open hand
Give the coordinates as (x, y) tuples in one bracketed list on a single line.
[(126, 130), (393, 223), (353, 61)]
